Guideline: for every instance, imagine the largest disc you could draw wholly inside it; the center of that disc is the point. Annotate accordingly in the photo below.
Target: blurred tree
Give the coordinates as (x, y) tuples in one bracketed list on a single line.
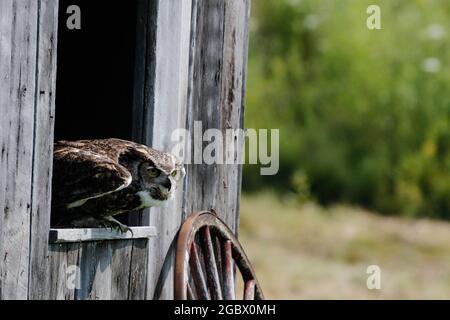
[(363, 114)]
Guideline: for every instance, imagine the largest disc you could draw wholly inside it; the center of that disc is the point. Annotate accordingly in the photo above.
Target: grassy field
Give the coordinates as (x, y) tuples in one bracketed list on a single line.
[(309, 252)]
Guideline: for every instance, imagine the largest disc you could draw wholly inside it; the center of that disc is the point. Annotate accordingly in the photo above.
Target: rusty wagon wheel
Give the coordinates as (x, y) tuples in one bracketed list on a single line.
[(206, 256)]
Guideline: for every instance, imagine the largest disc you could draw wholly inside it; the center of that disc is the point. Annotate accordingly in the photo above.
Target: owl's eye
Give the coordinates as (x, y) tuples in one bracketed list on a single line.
[(153, 172), (174, 174)]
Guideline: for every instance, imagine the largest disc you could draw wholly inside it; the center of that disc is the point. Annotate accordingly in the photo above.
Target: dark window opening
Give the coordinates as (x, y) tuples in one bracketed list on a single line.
[(95, 72), (94, 90)]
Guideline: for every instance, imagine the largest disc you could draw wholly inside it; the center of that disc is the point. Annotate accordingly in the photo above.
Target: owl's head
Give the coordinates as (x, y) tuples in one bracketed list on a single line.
[(159, 179)]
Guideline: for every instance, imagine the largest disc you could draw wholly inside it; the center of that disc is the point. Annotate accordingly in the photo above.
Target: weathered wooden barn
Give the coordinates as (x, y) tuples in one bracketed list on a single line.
[(135, 70)]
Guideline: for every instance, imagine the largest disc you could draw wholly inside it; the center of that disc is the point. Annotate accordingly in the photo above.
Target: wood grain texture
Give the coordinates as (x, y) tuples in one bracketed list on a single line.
[(27, 71), (204, 98), (84, 235), (43, 147), (5, 52), (120, 271), (18, 55), (62, 258), (235, 53), (138, 270), (215, 94), (170, 101), (216, 97), (108, 270)]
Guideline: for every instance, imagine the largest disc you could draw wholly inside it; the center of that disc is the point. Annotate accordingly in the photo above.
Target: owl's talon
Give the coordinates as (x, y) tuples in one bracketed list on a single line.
[(114, 225)]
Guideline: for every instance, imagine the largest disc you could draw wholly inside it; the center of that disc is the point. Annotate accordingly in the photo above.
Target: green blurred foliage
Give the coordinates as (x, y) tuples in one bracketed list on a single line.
[(363, 114)]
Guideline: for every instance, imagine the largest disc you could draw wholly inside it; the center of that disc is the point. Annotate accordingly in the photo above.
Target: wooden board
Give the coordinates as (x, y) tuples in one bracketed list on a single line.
[(235, 53), (216, 98), (99, 234), (170, 100), (106, 270), (214, 79), (60, 271), (43, 147), (18, 50)]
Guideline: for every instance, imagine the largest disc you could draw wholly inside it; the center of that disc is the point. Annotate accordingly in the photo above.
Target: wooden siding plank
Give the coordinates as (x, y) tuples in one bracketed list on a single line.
[(120, 269), (64, 277), (43, 149), (216, 97), (138, 270), (73, 256), (104, 270), (204, 100), (5, 70), (19, 29), (235, 52), (95, 266), (57, 267), (170, 100)]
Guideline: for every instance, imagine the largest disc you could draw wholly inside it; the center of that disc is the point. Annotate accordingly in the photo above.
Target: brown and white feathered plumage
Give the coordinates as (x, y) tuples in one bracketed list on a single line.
[(94, 180)]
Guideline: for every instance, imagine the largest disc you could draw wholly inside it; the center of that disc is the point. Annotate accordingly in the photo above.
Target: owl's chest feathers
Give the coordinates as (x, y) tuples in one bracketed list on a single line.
[(148, 200)]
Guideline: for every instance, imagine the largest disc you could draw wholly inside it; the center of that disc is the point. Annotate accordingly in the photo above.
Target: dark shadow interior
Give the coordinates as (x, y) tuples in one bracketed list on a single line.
[(94, 90)]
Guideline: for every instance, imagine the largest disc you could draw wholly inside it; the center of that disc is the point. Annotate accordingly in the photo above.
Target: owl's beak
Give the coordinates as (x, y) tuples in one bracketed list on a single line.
[(167, 183)]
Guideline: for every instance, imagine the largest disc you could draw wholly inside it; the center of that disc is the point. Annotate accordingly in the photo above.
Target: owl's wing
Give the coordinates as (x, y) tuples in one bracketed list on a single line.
[(80, 175)]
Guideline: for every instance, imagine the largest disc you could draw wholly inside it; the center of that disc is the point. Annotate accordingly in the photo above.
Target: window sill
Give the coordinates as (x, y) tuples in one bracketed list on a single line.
[(83, 235)]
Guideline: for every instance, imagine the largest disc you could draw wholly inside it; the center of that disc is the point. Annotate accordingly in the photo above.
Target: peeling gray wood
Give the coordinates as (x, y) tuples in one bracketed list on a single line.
[(170, 101), (95, 271), (62, 273), (216, 96), (18, 36), (120, 271), (217, 62), (99, 261), (83, 235), (108, 270), (5, 52), (235, 52), (43, 148), (27, 71), (138, 276), (205, 98)]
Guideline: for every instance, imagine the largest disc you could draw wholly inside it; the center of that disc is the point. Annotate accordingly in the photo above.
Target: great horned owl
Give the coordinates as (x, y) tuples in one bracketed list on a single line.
[(94, 180)]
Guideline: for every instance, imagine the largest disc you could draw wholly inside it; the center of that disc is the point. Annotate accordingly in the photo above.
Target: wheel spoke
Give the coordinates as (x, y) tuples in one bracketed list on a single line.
[(249, 290), (208, 259), (218, 255), (228, 272), (190, 293), (197, 274), (212, 274)]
